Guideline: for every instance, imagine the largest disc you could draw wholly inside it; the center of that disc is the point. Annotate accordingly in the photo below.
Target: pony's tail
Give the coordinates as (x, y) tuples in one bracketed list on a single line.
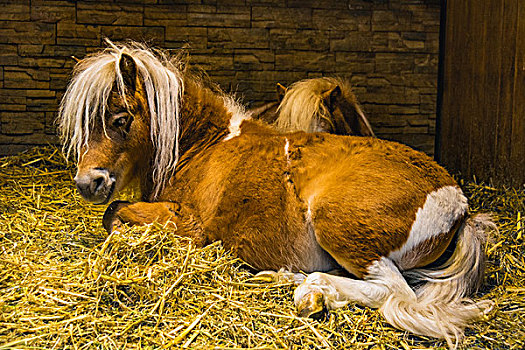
[(440, 306)]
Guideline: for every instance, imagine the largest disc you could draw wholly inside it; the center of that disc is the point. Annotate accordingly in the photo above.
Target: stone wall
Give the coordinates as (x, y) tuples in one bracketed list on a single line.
[(389, 50)]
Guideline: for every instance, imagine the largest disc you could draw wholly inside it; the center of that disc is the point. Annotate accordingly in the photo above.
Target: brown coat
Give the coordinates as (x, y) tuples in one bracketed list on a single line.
[(363, 194)]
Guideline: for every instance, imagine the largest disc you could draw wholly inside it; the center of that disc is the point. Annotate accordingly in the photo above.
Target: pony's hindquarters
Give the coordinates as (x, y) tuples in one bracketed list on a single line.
[(443, 309), (438, 308)]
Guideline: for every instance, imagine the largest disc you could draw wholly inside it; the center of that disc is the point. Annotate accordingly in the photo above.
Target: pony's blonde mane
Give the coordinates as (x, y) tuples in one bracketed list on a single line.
[(303, 103), (87, 96)]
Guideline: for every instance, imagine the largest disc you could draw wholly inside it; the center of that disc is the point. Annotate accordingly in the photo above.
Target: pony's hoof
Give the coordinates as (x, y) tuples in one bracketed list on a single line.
[(265, 277), (280, 276), (312, 305), (110, 219)]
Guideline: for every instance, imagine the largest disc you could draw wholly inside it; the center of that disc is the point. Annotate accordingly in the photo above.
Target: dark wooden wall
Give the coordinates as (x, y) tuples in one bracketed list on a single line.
[(481, 122)]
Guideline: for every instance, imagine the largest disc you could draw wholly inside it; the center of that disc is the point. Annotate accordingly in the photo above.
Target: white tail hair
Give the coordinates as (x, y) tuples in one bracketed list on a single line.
[(87, 95), (440, 306)]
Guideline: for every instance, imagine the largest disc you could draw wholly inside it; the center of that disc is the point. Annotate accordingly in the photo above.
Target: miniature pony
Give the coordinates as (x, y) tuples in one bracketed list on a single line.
[(316, 105), (311, 202)]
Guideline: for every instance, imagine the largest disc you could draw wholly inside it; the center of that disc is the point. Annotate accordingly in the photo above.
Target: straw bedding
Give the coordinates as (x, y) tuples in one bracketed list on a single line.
[(64, 283)]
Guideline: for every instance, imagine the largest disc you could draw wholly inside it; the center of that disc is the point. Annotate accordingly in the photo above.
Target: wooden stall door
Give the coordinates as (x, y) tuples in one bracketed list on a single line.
[(481, 107)]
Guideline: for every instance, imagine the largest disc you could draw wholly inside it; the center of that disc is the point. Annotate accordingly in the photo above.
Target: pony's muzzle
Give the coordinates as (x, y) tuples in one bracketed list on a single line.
[(95, 185)]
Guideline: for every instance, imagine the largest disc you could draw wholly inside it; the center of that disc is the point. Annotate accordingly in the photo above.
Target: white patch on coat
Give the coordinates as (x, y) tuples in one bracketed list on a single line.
[(239, 115), (309, 221), (286, 149), (440, 212)]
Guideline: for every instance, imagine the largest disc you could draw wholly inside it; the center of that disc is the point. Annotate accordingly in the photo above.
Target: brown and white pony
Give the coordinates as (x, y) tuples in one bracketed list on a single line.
[(324, 104), (314, 202)]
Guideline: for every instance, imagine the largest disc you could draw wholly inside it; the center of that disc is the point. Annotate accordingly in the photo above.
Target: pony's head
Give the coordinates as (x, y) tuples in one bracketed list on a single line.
[(322, 104), (120, 118)]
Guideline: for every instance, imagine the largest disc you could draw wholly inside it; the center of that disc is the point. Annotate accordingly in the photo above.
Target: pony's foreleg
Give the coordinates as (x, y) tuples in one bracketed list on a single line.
[(140, 213), (284, 276), (281, 276), (110, 220), (168, 214)]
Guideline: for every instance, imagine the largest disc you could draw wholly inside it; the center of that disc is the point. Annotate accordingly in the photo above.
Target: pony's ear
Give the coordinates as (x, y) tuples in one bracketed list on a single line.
[(128, 68), (331, 96), (281, 91), (364, 127)]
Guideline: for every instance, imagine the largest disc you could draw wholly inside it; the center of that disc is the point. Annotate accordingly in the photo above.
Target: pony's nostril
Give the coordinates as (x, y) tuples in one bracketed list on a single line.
[(93, 183), (97, 184)]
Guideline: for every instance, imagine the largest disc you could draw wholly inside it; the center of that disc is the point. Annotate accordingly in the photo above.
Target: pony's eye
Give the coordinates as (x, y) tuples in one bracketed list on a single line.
[(120, 122)]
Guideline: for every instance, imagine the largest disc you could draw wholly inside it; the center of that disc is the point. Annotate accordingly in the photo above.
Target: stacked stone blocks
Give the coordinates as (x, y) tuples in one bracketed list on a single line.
[(387, 48)]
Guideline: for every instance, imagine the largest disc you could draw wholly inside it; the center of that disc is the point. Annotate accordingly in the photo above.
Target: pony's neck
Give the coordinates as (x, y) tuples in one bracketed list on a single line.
[(205, 120)]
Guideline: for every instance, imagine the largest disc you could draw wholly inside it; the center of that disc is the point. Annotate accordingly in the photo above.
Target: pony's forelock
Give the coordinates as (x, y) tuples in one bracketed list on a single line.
[(87, 95)]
